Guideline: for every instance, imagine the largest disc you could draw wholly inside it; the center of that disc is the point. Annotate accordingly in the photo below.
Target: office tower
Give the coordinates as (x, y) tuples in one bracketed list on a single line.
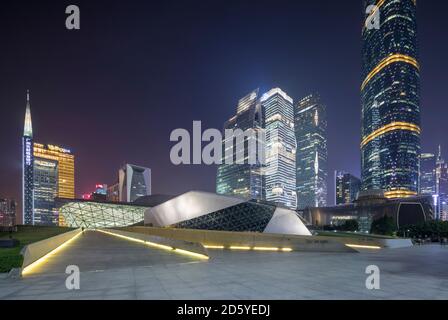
[(427, 183), (311, 158), (64, 164), (134, 182), (27, 166), (390, 95), (279, 173), (245, 179), (7, 213), (45, 191), (347, 187)]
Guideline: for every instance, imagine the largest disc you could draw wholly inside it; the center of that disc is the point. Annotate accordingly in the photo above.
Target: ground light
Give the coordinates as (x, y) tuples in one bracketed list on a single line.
[(29, 269), (159, 246), (356, 246), (249, 248)]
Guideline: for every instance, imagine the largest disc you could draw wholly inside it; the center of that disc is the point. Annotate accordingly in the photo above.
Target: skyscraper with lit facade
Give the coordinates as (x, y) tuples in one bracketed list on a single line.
[(390, 94), (428, 181), (45, 192), (279, 172), (27, 167), (243, 180), (54, 170), (311, 157), (347, 187)]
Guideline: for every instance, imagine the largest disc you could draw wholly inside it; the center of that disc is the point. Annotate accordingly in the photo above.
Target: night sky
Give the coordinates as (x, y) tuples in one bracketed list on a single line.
[(113, 91)]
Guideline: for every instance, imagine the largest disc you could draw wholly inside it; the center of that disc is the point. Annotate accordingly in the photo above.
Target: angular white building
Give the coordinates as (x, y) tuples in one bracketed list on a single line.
[(209, 211)]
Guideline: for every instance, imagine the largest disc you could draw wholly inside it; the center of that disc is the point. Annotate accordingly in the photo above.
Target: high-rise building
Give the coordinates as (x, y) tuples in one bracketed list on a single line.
[(65, 174), (45, 192), (27, 166), (427, 183), (245, 179), (7, 213), (311, 156), (134, 182), (347, 187), (390, 95), (279, 173)]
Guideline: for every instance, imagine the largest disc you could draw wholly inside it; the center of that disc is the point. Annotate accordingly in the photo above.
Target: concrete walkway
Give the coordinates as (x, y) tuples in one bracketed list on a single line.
[(96, 251), (113, 268)]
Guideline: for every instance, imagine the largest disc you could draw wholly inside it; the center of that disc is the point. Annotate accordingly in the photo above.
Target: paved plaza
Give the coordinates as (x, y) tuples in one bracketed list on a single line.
[(114, 268)]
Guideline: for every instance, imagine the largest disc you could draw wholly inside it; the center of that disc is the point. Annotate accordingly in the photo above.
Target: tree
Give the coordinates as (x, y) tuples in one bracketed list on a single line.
[(383, 226), (350, 225)]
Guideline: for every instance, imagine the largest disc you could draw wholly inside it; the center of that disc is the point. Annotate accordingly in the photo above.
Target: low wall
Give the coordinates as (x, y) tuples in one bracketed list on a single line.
[(249, 239), (191, 246), (34, 251)]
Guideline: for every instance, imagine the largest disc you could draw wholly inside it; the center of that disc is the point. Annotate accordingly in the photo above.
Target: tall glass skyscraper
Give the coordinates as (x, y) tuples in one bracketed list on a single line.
[(27, 166), (242, 180), (279, 174), (347, 187), (45, 191), (311, 158), (390, 94), (427, 174)]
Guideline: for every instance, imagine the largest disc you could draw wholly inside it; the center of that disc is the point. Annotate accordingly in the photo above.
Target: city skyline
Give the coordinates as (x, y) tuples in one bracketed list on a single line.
[(54, 126)]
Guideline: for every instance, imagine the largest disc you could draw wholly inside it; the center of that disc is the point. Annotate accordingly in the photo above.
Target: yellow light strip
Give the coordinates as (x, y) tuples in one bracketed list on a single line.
[(189, 253), (399, 194), (29, 269), (386, 62), (213, 247), (249, 248), (394, 126), (363, 247), (239, 248), (159, 246), (266, 249)]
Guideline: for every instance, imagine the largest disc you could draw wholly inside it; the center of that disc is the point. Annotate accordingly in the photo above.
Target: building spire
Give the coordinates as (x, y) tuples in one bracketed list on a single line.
[(28, 129)]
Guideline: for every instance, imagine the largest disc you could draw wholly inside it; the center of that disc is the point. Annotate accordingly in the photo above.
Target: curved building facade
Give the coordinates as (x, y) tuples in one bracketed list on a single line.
[(390, 95), (208, 211)]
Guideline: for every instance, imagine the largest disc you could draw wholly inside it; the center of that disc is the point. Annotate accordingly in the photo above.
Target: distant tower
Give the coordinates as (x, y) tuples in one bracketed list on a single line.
[(27, 167), (311, 157), (242, 180), (134, 182)]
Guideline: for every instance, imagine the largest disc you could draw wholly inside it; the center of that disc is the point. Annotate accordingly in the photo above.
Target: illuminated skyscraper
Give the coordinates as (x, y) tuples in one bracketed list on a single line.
[(311, 157), (347, 187), (390, 95), (279, 174), (7, 213), (58, 164), (45, 191), (242, 180), (428, 181), (27, 166)]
